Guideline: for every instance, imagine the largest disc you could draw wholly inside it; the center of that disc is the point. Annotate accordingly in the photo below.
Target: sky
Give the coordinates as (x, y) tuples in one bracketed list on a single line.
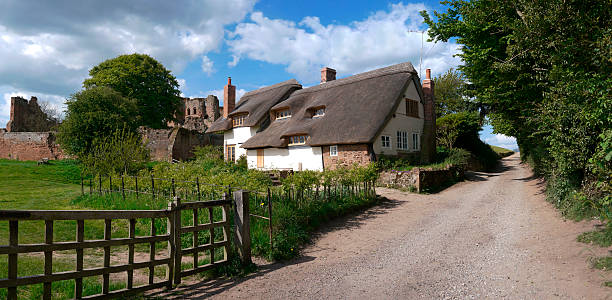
[(48, 47)]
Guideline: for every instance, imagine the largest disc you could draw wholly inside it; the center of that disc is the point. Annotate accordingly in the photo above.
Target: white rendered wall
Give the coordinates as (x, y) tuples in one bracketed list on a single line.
[(402, 122), (288, 158), (237, 136)]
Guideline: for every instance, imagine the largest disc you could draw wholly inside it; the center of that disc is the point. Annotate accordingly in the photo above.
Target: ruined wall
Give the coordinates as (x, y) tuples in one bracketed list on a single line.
[(26, 116), (29, 146), (197, 113), (176, 143), (348, 155)]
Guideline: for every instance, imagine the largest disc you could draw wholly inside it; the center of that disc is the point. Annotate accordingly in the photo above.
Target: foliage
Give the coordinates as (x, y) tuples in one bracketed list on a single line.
[(601, 237), (209, 152), (94, 114), (543, 69), (142, 78), (451, 94), (121, 153)]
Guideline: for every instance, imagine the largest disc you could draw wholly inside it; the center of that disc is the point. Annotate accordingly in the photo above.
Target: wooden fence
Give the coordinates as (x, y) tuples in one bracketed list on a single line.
[(173, 236)]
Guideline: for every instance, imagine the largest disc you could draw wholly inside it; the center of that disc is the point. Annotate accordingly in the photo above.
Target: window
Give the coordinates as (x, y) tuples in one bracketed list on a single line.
[(194, 111), (319, 112), (239, 120), (283, 114), (188, 111), (231, 153), (386, 141), (297, 140), (402, 140), (412, 108), (333, 150), (415, 141)]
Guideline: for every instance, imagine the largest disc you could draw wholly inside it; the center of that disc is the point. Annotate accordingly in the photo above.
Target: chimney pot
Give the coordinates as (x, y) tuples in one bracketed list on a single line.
[(428, 73), (229, 80), (327, 74)]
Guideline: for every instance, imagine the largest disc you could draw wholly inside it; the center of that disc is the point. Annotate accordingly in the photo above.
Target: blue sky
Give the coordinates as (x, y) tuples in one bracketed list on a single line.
[(202, 42)]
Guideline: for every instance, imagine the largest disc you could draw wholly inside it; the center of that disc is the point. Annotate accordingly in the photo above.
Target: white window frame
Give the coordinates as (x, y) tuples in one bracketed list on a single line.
[(416, 138), (387, 140), (283, 114), (319, 112), (333, 150), (402, 140)]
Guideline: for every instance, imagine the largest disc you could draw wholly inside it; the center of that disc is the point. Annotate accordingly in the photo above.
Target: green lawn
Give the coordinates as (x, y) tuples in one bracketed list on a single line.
[(503, 152)]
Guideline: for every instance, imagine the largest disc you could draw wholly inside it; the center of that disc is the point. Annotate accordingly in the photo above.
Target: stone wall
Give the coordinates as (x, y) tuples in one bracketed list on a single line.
[(29, 145), (197, 113), (420, 179), (26, 116), (348, 155), (176, 143)]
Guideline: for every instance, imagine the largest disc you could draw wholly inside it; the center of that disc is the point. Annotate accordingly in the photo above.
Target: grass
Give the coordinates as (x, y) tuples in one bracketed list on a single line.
[(503, 152), (602, 237), (602, 263)]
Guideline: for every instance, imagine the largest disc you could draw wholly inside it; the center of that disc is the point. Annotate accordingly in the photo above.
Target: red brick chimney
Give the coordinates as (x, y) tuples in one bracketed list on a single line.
[(328, 74), (428, 144), (229, 97)]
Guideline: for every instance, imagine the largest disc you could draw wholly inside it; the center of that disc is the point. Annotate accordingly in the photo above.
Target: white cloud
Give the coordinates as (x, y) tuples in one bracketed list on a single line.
[(381, 39), (501, 140), (207, 65), (52, 52)]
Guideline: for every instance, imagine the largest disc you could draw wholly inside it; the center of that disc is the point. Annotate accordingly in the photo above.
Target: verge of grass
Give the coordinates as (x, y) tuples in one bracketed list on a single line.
[(602, 263), (503, 152), (601, 237)]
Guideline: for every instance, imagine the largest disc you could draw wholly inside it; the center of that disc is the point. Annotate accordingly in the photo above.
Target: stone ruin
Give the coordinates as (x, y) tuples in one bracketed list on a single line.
[(27, 116), (198, 113)]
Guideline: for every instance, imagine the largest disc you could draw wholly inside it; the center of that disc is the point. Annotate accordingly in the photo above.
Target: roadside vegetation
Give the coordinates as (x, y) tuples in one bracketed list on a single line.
[(541, 71)]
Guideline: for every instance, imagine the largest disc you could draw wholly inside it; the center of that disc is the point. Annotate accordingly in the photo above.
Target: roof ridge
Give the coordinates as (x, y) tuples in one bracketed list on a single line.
[(389, 70), (271, 87)]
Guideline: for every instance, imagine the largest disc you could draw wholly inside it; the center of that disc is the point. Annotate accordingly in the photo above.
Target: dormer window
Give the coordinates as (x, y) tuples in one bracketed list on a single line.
[(319, 112), (283, 114), (297, 140), (239, 120)]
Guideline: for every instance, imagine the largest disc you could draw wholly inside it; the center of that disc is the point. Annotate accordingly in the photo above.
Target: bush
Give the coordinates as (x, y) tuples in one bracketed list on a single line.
[(122, 153)]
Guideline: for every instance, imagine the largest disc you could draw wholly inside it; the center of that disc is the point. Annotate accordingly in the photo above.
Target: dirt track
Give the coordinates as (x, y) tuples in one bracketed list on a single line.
[(492, 236)]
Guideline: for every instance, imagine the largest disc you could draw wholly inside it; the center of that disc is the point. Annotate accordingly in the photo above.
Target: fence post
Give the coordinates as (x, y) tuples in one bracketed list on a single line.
[(198, 186), (122, 188), (153, 187), (173, 189), (171, 244), (12, 258), (178, 258), (270, 218), (136, 182), (243, 231)]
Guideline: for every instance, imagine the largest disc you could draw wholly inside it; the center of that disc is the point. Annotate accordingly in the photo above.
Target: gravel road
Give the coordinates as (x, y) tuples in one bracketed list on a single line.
[(492, 236)]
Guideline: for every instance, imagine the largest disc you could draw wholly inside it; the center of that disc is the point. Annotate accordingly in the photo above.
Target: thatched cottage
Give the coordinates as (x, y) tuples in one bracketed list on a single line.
[(338, 122)]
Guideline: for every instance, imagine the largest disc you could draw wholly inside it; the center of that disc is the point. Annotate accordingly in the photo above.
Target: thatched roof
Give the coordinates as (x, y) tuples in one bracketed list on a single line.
[(356, 109), (257, 104)]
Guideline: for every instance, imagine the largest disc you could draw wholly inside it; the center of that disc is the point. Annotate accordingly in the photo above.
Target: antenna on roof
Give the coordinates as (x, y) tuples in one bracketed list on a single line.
[(422, 32)]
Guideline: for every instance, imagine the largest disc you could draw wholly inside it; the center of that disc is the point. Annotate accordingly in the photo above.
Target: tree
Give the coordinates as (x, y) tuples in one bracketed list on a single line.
[(142, 78), (121, 153), (93, 114), (451, 94), (543, 68)]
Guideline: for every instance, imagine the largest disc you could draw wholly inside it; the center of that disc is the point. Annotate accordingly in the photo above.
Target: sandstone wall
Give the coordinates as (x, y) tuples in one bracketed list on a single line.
[(420, 179), (27, 116), (29, 146), (176, 143), (348, 155)]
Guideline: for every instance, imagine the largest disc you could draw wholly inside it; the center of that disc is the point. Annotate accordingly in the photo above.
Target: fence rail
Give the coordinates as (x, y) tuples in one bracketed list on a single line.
[(174, 236)]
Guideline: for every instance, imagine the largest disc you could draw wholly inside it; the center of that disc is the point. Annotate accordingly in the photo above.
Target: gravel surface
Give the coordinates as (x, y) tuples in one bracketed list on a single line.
[(492, 236)]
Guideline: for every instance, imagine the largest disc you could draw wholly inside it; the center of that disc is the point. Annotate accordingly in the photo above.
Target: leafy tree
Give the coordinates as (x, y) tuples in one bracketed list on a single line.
[(94, 114), (121, 153), (140, 77), (543, 68), (451, 92)]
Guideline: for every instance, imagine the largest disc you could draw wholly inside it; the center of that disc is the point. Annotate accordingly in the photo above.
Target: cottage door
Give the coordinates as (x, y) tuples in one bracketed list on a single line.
[(260, 158)]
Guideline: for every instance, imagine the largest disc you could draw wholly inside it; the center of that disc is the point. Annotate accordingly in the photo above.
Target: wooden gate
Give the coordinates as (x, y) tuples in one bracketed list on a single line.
[(175, 236)]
